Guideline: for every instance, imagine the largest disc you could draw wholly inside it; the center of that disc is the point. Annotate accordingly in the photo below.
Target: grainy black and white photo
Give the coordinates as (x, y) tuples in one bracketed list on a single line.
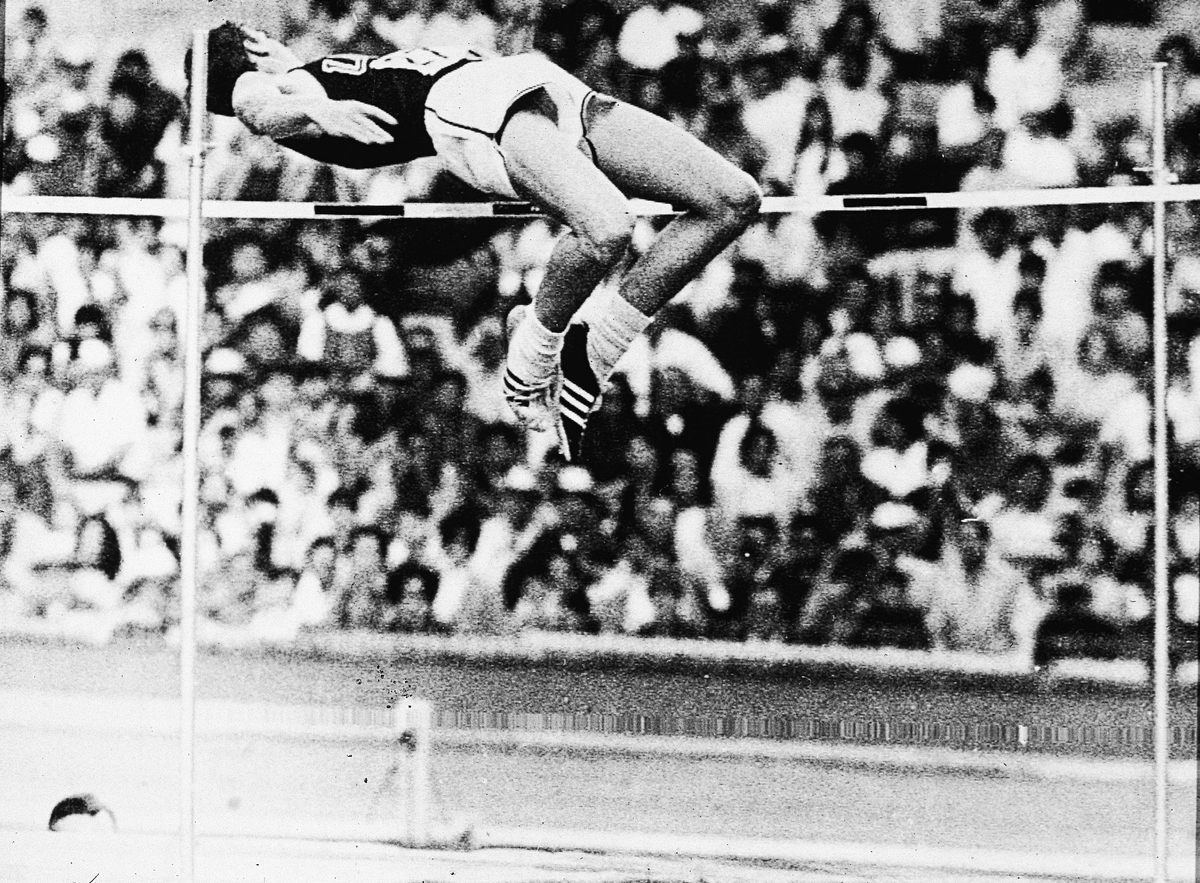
[(599, 441)]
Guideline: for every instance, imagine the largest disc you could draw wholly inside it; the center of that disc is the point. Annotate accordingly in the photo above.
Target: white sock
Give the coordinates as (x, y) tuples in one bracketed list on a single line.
[(534, 349), (615, 322)]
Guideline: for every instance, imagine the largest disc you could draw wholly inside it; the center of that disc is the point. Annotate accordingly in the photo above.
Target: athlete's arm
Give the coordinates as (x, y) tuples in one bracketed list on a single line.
[(272, 105)]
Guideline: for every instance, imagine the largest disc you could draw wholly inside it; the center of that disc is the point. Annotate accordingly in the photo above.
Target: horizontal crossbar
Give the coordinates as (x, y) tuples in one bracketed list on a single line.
[(212, 208)]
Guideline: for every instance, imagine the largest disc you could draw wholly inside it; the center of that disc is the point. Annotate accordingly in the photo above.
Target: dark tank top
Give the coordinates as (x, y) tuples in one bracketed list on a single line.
[(397, 83)]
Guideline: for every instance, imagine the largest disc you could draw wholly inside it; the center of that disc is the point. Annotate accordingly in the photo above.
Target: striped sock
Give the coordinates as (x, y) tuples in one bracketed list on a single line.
[(614, 324), (533, 351)]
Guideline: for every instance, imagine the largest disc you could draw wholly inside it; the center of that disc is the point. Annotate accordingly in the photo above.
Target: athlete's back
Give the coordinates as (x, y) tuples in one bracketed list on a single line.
[(396, 83)]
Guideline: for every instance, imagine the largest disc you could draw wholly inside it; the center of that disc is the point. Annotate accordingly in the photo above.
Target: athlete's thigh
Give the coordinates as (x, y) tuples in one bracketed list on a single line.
[(546, 166), (652, 158)]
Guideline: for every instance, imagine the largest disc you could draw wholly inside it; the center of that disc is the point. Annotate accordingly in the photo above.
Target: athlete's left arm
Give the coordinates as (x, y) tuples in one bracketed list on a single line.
[(283, 106)]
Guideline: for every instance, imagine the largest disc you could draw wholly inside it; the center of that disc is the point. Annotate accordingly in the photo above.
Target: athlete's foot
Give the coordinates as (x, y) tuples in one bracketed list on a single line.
[(533, 403), (579, 392)]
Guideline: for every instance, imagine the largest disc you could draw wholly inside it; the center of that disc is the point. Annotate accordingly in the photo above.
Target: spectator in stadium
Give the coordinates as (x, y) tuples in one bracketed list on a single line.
[(357, 29), (1031, 424), (641, 593), (349, 337), (961, 341), (839, 498), (136, 114), (910, 32), (515, 520), (987, 172), (1038, 154), (466, 603), (239, 576), (819, 161), (1022, 347), (360, 582), (896, 466), (750, 475), (83, 592), (964, 115), (855, 74), (775, 109), (1072, 630), (542, 605), (458, 23), (1114, 574), (482, 366), (568, 30), (161, 378), (649, 37), (412, 582), (990, 273), (830, 613), (968, 434), (800, 558), (262, 438), (572, 530), (1179, 51), (29, 53), (972, 599), (498, 449), (21, 328), (10, 603), (755, 581), (61, 124), (1023, 75), (101, 416), (685, 411), (29, 409), (695, 544), (1025, 527), (314, 601), (56, 270)]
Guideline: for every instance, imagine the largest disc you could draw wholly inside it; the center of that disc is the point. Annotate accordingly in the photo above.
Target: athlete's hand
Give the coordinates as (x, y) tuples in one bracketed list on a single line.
[(269, 55), (352, 119)]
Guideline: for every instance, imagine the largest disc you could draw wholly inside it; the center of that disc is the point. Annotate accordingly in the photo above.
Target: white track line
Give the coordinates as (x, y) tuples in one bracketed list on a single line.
[(509, 847), (1038, 865)]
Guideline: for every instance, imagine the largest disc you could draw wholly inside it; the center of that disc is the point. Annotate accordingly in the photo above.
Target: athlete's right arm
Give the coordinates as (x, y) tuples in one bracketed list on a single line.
[(267, 105)]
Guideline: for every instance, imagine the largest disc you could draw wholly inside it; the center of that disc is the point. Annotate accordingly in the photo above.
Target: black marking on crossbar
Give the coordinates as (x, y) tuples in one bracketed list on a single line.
[(885, 202), (515, 208), (391, 211)]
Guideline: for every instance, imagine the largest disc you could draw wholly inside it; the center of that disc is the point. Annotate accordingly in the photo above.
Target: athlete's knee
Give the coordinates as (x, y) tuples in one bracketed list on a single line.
[(739, 198), (607, 238)]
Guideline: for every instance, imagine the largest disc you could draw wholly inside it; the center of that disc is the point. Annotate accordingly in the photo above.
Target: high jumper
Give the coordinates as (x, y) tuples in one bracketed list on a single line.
[(518, 127)]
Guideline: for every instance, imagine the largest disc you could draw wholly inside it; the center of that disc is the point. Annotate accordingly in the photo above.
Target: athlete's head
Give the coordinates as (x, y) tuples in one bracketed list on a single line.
[(227, 60), (82, 813)]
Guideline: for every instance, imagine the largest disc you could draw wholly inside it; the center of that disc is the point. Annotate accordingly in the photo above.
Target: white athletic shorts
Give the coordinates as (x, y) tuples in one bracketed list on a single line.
[(466, 109)]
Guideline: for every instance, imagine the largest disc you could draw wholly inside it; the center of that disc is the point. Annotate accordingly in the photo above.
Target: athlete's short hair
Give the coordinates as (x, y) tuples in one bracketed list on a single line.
[(82, 805), (227, 60)]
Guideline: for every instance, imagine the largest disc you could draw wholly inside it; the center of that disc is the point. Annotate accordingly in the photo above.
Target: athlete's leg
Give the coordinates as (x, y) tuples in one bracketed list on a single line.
[(548, 168), (648, 156)]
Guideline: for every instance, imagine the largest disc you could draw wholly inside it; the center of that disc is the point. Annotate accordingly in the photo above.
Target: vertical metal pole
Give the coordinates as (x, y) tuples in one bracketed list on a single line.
[(414, 720), (191, 470), (1161, 600)]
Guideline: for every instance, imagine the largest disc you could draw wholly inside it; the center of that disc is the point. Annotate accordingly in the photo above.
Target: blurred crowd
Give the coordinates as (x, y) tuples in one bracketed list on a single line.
[(925, 430)]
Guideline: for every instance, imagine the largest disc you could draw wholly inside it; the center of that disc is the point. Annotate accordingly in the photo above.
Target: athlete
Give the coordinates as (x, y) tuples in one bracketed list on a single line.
[(516, 127)]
